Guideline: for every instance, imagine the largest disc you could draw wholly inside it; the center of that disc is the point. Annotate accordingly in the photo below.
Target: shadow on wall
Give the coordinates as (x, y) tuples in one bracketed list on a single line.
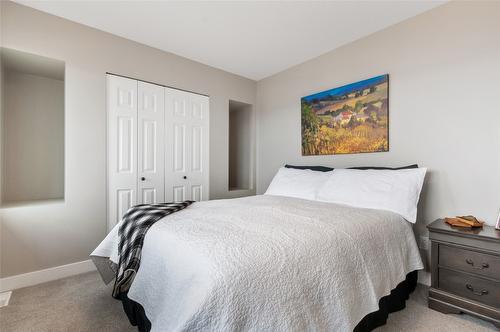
[(420, 227)]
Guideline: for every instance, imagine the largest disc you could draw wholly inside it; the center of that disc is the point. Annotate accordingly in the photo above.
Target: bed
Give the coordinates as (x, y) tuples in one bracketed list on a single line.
[(269, 263)]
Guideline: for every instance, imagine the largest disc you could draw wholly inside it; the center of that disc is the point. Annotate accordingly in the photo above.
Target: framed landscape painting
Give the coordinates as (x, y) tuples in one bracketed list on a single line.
[(353, 118)]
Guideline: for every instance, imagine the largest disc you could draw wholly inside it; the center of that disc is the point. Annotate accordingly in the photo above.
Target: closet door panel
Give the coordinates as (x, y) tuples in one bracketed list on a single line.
[(197, 149), (179, 146), (197, 192), (122, 146), (125, 137), (124, 201), (151, 143), (179, 193)]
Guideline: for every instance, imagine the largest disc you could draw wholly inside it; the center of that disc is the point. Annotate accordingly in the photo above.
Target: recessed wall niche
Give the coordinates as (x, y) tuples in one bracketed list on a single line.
[(241, 146), (32, 127)]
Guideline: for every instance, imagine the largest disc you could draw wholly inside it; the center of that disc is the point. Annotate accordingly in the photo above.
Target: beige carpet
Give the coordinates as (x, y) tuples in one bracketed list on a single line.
[(83, 303)]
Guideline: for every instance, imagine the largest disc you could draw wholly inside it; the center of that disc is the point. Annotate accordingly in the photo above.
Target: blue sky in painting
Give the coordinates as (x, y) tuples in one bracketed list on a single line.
[(347, 88)]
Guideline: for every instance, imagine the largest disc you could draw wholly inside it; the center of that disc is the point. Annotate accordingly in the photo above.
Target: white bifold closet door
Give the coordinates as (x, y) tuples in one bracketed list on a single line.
[(187, 144), (151, 143), (157, 145), (122, 146)]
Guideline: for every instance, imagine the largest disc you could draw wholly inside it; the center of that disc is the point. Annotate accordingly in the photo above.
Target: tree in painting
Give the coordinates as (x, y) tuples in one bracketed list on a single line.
[(350, 119)]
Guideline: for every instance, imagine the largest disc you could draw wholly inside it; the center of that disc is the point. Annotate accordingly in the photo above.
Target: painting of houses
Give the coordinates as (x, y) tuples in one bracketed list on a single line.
[(353, 118)]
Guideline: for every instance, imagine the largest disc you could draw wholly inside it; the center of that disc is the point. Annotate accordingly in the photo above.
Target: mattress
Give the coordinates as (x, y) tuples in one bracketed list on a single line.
[(269, 263)]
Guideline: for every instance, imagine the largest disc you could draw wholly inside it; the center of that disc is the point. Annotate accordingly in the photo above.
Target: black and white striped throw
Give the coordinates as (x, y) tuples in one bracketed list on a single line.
[(131, 233)]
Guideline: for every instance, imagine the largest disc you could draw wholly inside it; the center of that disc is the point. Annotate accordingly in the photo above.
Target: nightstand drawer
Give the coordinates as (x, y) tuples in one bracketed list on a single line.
[(474, 288), (470, 261)]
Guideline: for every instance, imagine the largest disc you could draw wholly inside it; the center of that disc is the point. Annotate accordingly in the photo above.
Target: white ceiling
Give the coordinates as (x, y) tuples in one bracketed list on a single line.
[(254, 39)]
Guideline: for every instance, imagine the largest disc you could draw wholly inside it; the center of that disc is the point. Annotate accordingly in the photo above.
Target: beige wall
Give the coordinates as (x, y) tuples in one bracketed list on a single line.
[(33, 151), (44, 235), (444, 68)]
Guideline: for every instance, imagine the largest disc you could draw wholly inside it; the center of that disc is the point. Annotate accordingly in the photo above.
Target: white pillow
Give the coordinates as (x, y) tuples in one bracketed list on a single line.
[(299, 183), (393, 190)]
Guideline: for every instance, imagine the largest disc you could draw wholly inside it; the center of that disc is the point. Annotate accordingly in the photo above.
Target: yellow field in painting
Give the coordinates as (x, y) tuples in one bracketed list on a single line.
[(341, 141)]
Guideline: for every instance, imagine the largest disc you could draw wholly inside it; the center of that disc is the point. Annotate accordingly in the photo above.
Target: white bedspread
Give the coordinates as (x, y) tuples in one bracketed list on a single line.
[(269, 263)]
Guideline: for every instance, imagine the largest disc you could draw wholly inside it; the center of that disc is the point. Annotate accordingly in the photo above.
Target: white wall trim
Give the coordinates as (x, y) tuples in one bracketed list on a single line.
[(41, 276), (5, 298), (424, 277)]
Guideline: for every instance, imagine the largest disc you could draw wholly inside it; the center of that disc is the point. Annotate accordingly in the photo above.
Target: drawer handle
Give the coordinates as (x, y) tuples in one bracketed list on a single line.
[(481, 293), (483, 266)]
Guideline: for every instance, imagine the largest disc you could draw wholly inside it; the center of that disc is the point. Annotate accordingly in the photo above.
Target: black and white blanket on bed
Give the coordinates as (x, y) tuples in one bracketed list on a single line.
[(132, 231)]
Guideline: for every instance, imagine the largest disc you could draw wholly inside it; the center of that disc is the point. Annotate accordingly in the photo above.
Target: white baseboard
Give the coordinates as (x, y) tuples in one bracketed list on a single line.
[(41, 276), (5, 298), (424, 277)]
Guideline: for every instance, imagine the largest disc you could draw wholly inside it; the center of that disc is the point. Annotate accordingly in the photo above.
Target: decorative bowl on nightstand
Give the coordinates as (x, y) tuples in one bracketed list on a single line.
[(465, 270)]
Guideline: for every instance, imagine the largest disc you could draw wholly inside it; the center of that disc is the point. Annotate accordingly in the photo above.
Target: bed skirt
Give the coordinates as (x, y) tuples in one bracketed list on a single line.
[(395, 301)]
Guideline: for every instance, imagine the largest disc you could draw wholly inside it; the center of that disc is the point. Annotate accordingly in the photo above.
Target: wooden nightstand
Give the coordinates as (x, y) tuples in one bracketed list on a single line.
[(465, 271)]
